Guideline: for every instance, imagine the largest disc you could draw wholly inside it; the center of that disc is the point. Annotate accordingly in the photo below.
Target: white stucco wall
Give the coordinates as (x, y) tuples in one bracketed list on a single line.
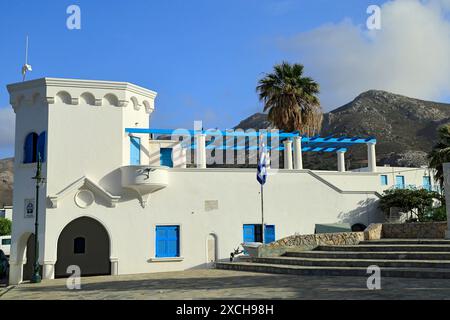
[(294, 202)]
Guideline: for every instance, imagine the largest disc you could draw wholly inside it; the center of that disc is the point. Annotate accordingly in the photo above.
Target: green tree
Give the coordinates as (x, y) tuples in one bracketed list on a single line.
[(440, 153), (291, 99), (416, 202), (5, 227)]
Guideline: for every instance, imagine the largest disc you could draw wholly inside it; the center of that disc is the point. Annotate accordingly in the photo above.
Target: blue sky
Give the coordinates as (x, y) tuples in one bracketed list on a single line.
[(204, 58)]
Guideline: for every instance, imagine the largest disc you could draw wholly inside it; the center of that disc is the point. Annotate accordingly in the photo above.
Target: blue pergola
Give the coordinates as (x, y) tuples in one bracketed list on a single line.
[(309, 144)]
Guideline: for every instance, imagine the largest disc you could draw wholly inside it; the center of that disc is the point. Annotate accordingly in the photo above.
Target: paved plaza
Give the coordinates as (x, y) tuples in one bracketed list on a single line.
[(221, 284)]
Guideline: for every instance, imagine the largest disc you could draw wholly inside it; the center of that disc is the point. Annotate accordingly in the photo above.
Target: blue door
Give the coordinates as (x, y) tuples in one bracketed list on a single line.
[(249, 233), (384, 180), (41, 146), (30, 148), (427, 183), (135, 151), (167, 241), (400, 182), (166, 157), (269, 234)]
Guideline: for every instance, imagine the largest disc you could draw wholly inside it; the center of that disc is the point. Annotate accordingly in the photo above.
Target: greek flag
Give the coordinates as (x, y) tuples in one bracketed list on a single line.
[(261, 175)]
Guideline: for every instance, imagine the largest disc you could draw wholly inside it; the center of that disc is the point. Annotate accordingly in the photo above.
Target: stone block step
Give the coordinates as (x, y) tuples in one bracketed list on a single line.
[(405, 241), (387, 248), (323, 262), (389, 255), (333, 271)]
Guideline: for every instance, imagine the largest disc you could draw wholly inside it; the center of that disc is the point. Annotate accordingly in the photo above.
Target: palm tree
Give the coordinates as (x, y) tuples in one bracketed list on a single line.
[(440, 153), (291, 99)]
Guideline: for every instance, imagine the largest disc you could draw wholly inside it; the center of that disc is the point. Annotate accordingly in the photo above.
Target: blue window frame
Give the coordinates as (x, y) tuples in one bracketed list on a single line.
[(269, 234), (400, 182), (384, 180), (253, 233), (166, 157), (41, 142), (29, 150), (427, 183), (135, 151), (167, 241)]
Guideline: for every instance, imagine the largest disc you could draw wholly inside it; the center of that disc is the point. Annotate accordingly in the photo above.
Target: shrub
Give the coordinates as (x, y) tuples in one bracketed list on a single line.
[(5, 227), (436, 214), (417, 202)]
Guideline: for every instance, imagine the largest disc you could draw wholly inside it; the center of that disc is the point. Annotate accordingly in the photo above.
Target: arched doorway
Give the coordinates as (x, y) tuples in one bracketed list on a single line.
[(211, 244), (84, 242)]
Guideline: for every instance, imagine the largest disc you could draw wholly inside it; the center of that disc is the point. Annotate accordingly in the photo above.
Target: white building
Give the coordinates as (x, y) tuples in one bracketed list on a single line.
[(110, 207), (6, 212)]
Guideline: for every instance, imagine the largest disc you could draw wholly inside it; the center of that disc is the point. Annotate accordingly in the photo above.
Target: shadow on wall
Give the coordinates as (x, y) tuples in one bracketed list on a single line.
[(111, 182), (366, 213)]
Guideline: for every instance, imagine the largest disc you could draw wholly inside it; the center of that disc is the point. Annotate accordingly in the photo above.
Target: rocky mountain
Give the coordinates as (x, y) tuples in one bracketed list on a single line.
[(6, 181), (256, 121), (405, 128)]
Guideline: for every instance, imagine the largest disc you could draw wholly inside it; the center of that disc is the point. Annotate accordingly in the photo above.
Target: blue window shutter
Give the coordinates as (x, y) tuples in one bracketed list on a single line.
[(400, 182), (41, 141), (160, 248), (166, 157), (269, 234), (29, 151), (167, 241), (384, 180), (135, 151), (173, 242), (249, 233)]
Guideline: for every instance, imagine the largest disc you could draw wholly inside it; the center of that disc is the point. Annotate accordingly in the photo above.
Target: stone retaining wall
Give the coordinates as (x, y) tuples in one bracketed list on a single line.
[(422, 230), (309, 242), (376, 231)]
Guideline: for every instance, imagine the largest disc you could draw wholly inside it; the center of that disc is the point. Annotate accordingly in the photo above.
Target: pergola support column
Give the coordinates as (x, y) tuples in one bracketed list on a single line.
[(298, 157), (341, 160), (288, 154), (371, 157), (200, 151)]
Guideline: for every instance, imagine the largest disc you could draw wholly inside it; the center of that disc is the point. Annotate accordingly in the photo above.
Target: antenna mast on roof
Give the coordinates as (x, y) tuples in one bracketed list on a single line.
[(26, 67)]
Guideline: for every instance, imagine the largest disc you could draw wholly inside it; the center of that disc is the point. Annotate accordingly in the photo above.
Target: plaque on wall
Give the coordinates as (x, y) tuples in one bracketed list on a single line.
[(29, 208), (211, 205)]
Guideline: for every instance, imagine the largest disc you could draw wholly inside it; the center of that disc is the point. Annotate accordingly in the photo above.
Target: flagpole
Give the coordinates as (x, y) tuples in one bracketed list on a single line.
[(261, 177), (262, 213)]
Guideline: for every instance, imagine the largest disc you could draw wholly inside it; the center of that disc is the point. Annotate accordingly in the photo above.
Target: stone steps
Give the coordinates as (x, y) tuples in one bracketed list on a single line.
[(333, 271), (389, 255), (405, 241), (388, 248), (364, 263), (409, 258)]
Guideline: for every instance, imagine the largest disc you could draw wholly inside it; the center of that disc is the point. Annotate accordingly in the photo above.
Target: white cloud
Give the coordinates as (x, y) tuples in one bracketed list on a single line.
[(7, 127), (410, 55)]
